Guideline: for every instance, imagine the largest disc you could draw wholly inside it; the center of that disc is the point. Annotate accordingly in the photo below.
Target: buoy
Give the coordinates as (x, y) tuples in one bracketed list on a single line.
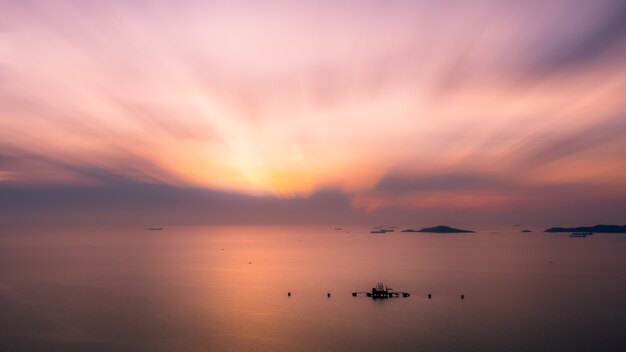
[(429, 296), (288, 294), (462, 296), (328, 294)]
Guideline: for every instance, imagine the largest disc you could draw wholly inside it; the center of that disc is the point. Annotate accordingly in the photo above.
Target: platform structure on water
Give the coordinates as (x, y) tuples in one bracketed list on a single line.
[(382, 291)]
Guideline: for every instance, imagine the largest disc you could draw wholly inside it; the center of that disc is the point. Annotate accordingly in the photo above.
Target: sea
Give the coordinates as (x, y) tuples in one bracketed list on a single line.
[(226, 288)]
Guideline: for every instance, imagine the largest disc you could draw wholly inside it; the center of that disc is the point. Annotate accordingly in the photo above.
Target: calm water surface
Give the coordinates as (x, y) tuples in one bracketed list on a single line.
[(225, 289)]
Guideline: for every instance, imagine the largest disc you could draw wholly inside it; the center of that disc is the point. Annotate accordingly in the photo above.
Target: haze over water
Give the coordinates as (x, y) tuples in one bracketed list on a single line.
[(225, 289), (250, 129)]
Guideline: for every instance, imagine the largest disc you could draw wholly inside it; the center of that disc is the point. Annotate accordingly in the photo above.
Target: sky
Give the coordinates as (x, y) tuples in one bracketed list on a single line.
[(313, 111)]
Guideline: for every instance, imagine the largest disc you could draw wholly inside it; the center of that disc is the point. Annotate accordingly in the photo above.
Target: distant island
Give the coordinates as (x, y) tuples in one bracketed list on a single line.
[(439, 229), (597, 228)]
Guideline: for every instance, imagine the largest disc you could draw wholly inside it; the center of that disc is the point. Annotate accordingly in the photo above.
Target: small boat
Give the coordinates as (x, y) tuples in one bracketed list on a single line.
[(581, 234), (155, 228)]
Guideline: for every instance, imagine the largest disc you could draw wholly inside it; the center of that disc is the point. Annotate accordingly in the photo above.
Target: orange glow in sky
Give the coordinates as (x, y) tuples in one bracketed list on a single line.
[(288, 98)]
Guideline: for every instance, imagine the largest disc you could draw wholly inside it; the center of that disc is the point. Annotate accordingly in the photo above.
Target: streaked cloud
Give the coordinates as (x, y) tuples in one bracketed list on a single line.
[(410, 104)]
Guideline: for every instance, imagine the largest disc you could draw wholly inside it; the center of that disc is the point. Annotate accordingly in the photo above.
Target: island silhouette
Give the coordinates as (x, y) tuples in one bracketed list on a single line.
[(439, 229), (596, 228)]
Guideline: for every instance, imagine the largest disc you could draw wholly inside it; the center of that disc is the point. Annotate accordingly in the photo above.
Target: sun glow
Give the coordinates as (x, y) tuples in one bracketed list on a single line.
[(290, 99)]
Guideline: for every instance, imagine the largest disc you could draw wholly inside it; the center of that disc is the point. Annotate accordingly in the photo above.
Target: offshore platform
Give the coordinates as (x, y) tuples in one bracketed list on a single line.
[(382, 291)]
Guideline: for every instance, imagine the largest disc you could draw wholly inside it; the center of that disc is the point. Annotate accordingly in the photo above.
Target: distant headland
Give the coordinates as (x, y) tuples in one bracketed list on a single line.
[(597, 229), (439, 229)]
